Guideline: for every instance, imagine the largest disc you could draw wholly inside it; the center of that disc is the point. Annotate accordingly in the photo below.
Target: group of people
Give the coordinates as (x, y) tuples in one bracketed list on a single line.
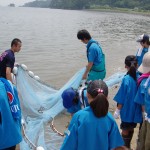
[(92, 126), (10, 110), (131, 98)]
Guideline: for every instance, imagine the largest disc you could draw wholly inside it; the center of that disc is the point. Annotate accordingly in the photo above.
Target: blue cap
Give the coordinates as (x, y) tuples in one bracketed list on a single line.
[(68, 96)]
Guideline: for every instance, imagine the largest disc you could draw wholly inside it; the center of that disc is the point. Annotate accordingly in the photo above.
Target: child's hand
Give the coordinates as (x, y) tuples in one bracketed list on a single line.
[(144, 114), (83, 83), (117, 113)]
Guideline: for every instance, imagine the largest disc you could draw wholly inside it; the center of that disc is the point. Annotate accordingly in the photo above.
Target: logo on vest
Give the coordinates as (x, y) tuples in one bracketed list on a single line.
[(14, 108), (10, 97)]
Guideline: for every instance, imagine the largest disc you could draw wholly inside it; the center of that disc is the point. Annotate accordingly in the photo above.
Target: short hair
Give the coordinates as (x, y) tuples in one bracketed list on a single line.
[(83, 34), (15, 42)]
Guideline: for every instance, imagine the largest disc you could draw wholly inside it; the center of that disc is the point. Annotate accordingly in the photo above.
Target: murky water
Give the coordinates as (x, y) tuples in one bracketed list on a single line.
[(50, 46)]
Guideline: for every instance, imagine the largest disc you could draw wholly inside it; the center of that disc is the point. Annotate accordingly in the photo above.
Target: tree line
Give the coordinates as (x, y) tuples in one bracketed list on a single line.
[(88, 4)]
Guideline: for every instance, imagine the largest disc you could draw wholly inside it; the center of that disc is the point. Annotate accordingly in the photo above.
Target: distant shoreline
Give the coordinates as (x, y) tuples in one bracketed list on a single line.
[(103, 9), (122, 10)]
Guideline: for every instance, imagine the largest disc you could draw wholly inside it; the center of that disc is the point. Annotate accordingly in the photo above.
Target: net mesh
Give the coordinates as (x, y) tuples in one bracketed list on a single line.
[(40, 103)]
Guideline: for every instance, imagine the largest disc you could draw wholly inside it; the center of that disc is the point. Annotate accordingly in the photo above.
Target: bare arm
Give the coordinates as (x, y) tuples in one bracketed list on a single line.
[(121, 148), (88, 68), (8, 74), (119, 106), (143, 108)]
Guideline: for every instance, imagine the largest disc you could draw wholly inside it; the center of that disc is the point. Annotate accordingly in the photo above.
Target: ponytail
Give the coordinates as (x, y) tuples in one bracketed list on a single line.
[(98, 90), (100, 105), (131, 63), (132, 72)]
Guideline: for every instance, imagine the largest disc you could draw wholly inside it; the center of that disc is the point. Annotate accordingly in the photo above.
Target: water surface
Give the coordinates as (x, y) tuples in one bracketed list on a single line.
[(50, 46)]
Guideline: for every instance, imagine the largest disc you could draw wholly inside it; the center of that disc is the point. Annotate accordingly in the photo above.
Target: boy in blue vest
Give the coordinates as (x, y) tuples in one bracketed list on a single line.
[(95, 68)]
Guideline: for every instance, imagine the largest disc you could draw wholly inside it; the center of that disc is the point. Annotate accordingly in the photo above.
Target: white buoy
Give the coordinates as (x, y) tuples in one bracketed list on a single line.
[(31, 74), (37, 78), (24, 67), (22, 121), (15, 70), (39, 148)]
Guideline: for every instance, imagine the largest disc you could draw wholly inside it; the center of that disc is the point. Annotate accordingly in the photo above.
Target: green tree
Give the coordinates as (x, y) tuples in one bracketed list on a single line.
[(83, 4)]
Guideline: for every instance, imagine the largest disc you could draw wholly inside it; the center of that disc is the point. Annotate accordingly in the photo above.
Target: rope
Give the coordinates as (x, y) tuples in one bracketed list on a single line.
[(31, 145), (55, 130), (27, 140)]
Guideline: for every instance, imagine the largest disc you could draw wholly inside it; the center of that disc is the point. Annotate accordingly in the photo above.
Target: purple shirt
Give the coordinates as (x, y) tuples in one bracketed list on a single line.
[(7, 59)]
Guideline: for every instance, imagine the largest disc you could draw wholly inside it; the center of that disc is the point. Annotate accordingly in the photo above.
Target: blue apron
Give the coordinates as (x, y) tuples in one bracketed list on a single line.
[(97, 71)]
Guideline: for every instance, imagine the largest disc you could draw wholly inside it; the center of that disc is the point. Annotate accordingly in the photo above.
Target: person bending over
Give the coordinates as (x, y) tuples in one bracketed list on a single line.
[(95, 68), (74, 100)]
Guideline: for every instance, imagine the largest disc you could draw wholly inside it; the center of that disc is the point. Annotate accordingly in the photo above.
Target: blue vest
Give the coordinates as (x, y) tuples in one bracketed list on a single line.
[(10, 128), (98, 70)]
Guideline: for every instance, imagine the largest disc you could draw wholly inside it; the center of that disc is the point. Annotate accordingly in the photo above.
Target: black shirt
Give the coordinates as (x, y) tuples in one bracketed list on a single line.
[(7, 59)]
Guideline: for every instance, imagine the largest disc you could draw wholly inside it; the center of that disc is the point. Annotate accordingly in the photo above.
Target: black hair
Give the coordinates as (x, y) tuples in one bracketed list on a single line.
[(131, 62), (83, 34), (15, 42), (76, 97), (99, 92), (146, 40)]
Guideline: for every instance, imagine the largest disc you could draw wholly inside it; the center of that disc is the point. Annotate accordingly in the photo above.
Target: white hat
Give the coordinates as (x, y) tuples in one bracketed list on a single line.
[(145, 66), (143, 37)]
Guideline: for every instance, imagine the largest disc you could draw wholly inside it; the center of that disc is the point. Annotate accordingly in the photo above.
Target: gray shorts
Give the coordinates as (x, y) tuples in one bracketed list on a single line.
[(144, 137)]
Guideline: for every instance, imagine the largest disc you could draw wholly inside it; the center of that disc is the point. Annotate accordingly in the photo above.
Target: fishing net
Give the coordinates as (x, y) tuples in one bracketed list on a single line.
[(41, 103)]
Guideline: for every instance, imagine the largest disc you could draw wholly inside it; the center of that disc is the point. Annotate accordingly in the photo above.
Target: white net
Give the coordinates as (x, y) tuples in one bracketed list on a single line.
[(40, 103)]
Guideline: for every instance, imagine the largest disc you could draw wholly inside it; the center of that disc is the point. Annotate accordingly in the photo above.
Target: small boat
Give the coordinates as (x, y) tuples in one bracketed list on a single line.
[(11, 5)]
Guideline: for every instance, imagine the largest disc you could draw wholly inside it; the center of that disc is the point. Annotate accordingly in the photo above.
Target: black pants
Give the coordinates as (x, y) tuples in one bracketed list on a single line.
[(10, 148)]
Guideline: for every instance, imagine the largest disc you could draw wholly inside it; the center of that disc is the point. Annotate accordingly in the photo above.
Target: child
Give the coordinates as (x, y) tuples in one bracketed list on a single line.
[(143, 98), (144, 41), (129, 111), (10, 116), (93, 128), (74, 100)]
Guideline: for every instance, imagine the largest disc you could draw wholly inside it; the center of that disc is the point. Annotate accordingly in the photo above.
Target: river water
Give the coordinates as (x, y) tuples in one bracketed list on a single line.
[(50, 46)]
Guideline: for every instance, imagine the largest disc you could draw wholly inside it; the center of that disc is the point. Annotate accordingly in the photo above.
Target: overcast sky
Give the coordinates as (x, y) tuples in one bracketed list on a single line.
[(16, 2)]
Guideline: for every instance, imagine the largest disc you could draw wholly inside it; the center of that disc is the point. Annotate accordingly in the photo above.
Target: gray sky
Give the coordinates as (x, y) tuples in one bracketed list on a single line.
[(16, 2)]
